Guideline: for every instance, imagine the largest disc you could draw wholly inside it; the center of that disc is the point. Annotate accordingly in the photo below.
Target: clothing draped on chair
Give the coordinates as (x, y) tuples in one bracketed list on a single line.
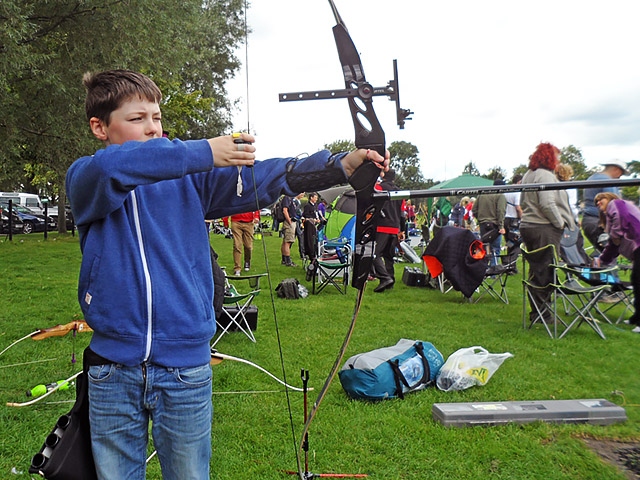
[(456, 252)]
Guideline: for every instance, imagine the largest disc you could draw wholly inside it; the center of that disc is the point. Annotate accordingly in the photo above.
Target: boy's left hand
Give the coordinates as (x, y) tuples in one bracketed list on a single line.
[(356, 158), (227, 153)]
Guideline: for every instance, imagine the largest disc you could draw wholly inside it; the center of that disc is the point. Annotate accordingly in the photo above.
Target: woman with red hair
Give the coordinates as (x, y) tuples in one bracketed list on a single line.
[(545, 215)]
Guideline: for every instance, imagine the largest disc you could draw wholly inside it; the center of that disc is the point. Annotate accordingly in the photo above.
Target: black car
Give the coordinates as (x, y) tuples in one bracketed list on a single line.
[(31, 222), (17, 225), (68, 218)]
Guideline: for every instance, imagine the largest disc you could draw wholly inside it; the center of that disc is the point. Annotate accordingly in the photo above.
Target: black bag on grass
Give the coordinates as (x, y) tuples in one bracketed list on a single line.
[(391, 372), (288, 288)]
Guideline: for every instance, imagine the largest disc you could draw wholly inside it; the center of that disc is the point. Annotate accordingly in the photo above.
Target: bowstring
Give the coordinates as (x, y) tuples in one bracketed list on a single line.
[(19, 340), (264, 250)]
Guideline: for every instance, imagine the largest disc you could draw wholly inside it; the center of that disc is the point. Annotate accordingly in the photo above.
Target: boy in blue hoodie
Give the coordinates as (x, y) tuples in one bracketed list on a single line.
[(145, 285)]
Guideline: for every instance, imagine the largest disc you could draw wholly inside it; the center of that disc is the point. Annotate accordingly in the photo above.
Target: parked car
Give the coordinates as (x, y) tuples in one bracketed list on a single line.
[(31, 222), (4, 222), (265, 212)]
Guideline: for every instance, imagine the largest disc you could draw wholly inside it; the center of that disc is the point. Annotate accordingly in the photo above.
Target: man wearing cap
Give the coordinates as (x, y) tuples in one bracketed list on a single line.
[(613, 169)]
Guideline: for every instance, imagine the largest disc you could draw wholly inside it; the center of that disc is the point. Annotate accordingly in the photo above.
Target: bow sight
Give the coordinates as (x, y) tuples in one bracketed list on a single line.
[(359, 90)]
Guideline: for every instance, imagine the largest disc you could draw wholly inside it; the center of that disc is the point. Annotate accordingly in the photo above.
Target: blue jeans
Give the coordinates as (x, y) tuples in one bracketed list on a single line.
[(495, 250), (123, 399)]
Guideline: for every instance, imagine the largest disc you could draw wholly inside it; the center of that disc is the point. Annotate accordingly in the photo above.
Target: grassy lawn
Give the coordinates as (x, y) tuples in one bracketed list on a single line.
[(398, 439)]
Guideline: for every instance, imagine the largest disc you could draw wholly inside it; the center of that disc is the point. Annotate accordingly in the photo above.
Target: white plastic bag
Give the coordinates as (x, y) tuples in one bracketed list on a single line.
[(468, 367)]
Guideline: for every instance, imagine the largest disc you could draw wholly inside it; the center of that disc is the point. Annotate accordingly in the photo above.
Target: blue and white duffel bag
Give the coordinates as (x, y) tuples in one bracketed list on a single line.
[(391, 372)]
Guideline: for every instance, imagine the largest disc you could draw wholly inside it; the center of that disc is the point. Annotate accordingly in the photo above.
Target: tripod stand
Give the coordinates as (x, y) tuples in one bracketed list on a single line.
[(307, 475)]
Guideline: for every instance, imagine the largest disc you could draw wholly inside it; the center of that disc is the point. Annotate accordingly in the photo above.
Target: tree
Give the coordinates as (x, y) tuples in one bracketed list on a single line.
[(47, 46), (406, 163), (471, 169), (520, 170), (634, 168), (496, 173), (340, 146), (571, 155)]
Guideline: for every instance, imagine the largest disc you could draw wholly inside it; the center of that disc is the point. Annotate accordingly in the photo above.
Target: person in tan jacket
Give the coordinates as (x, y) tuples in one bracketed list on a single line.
[(545, 214)]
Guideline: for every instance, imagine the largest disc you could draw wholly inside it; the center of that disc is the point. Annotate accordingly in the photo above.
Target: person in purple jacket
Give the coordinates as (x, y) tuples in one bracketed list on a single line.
[(145, 284), (621, 220)]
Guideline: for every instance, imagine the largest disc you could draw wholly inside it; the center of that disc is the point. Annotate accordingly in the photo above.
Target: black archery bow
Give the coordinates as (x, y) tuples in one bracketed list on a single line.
[(368, 135)]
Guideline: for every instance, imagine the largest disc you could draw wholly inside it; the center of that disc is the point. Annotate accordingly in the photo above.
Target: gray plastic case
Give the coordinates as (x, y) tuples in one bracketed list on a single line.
[(594, 411)]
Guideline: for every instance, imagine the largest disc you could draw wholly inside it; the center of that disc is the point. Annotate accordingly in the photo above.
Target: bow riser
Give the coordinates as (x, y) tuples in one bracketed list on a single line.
[(369, 135), (368, 209)]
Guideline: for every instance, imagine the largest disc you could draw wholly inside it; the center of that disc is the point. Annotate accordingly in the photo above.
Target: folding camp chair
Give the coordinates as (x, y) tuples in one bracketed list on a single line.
[(571, 250), (579, 300), (238, 307), (621, 291), (332, 265), (494, 283), (534, 294), (574, 255)]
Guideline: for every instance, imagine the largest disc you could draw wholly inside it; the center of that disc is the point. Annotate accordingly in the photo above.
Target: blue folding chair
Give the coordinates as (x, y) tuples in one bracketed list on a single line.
[(332, 266)]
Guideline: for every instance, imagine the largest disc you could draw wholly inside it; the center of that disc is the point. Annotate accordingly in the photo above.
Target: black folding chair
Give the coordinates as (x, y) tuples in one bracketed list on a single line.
[(494, 283), (565, 287), (238, 307)]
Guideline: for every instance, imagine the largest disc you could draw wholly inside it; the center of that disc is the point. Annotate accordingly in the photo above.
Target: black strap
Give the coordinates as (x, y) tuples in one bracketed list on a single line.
[(426, 378), (401, 380), (398, 377), (329, 176)]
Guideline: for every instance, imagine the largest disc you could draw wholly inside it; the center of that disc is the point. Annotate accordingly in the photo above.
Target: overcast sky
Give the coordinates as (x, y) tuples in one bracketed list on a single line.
[(487, 80)]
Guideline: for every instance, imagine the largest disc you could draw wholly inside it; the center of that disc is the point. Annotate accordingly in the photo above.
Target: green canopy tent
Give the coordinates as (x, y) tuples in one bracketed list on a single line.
[(343, 209), (463, 181)]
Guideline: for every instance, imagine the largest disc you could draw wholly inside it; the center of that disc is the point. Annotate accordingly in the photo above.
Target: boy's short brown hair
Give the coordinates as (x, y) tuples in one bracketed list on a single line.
[(107, 90)]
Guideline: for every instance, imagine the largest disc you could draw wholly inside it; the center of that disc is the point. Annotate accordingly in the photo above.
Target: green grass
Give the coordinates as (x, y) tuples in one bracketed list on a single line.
[(395, 439)]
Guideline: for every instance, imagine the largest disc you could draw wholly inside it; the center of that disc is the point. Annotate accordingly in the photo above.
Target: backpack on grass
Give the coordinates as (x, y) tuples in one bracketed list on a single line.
[(288, 288), (391, 372)]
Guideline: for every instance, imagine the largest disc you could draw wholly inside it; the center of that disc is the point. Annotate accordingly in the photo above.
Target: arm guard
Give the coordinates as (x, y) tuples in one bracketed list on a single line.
[(301, 179)]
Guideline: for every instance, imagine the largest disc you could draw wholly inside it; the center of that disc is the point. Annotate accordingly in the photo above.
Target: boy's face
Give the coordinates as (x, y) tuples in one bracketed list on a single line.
[(135, 119)]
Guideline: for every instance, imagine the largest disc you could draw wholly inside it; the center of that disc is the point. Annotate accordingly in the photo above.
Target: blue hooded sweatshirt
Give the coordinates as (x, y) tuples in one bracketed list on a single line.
[(146, 287)]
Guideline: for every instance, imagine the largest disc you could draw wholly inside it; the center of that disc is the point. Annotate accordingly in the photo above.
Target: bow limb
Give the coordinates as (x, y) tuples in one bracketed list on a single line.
[(55, 331), (221, 356), (369, 136), (35, 400)]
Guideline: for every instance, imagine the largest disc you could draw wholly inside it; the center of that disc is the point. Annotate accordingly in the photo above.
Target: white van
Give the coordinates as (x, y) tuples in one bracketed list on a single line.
[(29, 200)]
